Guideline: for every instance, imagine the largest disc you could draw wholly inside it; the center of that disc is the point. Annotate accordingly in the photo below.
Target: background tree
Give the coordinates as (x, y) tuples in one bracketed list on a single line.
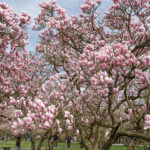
[(21, 73), (13, 40)]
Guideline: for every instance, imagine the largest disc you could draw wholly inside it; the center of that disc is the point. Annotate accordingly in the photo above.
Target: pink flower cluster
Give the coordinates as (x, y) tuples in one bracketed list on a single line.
[(147, 121), (69, 120), (88, 5), (37, 113)]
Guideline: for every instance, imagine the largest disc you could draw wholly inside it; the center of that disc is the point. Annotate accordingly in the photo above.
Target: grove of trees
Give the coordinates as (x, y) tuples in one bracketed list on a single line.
[(90, 75)]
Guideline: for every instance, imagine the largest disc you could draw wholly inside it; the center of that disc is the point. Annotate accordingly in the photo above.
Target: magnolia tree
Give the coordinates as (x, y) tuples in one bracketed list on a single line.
[(13, 54), (42, 113), (13, 59), (21, 74), (104, 65), (25, 102), (100, 80)]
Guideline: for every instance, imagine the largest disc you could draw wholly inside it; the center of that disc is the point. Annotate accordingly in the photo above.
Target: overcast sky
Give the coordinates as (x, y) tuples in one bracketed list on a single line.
[(32, 7)]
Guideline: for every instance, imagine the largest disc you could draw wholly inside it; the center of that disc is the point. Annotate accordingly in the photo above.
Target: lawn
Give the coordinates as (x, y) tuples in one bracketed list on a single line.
[(75, 146)]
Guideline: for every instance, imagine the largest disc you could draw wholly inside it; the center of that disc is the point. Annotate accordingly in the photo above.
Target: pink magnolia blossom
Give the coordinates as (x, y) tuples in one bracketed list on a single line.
[(60, 130), (98, 1), (130, 112), (68, 122), (108, 80), (77, 132), (86, 121), (67, 113), (57, 123), (147, 121), (69, 128)]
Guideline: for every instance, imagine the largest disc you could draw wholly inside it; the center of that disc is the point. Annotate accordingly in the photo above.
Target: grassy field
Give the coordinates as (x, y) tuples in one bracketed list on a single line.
[(75, 146)]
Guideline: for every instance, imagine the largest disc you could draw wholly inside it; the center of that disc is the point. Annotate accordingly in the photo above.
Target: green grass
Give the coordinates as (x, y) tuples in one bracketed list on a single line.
[(11, 143), (124, 148), (75, 146)]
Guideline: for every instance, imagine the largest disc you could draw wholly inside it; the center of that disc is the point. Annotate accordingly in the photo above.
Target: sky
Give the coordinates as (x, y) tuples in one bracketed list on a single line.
[(32, 7)]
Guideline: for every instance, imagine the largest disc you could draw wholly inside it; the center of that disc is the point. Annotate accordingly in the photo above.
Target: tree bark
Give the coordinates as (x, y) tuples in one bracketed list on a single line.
[(102, 137), (84, 140), (97, 138), (106, 146), (33, 144), (50, 144), (112, 137), (44, 136), (137, 135), (95, 144), (5, 139)]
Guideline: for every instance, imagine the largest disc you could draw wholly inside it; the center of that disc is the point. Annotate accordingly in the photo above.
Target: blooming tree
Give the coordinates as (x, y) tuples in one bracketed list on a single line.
[(24, 99), (20, 72), (105, 63), (12, 50), (13, 57), (42, 113), (99, 79)]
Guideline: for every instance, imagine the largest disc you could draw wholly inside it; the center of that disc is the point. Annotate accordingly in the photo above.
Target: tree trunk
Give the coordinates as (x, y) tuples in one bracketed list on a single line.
[(106, 147), (97, 138), (44, 136), (5, 139), (33, 144), (103, 136), (40, 144), (95, 144), (132, 145), (84, 140), (107, 144), (50, 144), (112, 137)]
